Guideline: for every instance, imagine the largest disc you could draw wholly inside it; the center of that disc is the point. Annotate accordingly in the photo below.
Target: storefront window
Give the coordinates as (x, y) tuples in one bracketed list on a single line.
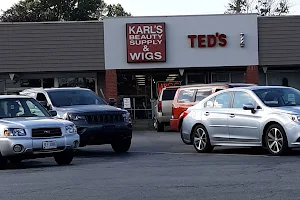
[(220, 77), (142, 88), (31, 83), (78, 82), (48, 82), (196, 78)]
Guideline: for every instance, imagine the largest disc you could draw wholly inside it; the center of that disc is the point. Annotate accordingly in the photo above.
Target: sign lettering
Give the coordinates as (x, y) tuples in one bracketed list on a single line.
[(163, 84), (203, 41), (146, 42)]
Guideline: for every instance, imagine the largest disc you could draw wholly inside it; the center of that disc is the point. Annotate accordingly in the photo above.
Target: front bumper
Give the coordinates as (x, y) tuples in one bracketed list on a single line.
[(104, 133), (34, 146), (292, 131)]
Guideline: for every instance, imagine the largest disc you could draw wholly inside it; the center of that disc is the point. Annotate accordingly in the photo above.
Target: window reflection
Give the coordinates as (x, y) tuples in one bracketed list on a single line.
[(78, 82)]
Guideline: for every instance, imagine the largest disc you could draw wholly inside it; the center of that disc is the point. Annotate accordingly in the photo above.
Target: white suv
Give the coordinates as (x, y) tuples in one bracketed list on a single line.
[(28, 130)]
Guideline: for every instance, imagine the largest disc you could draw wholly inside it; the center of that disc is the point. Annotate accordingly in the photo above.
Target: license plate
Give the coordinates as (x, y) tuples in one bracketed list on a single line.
[(49, 145)]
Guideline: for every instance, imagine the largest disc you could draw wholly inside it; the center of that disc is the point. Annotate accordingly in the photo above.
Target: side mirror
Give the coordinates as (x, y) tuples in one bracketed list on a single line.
[(53, 113), (249, 106), (111, 102)]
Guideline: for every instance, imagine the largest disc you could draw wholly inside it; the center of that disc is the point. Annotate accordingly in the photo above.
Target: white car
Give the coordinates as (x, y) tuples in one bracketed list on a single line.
[(28, 130)]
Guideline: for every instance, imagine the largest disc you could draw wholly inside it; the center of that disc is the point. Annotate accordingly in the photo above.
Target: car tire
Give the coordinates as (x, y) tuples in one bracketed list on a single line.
[(200, 140), (64, 158), (276, 140), (155, 123), (160, 127), (3, 162), (183, 140), (121, 146)]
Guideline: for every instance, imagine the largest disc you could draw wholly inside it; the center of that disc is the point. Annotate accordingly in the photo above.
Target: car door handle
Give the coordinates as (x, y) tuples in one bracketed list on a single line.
[(232, 115), (206, 113)]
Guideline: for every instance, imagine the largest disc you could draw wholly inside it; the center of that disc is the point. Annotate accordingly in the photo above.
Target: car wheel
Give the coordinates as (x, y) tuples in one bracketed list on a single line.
[(183, 140), (121, 146), (3, 162), (64, 158), (276, 140), (201, 140), (160, 127)]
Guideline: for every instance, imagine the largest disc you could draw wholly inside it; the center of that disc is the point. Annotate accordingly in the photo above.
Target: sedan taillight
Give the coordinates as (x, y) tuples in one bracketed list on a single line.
[(185, 113)]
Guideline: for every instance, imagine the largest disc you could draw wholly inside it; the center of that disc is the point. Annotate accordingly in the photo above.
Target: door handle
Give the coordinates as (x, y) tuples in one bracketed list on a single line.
[(206, 113), (232, 115)]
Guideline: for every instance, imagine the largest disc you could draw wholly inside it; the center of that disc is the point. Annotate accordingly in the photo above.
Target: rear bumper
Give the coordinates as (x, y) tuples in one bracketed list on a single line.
[(174, 124), (103, 134), (163, 119)]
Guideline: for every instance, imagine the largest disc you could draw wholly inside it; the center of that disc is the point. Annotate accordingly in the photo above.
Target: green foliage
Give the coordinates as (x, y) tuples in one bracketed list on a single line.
[(261, 7), (60, 10)]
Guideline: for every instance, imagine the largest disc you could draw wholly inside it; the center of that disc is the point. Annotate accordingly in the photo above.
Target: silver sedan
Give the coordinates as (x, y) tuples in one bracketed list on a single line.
[(267, 116)]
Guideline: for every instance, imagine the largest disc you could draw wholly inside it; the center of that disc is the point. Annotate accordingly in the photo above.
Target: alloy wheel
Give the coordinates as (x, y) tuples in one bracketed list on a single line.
[(200, 139), (275, 140)]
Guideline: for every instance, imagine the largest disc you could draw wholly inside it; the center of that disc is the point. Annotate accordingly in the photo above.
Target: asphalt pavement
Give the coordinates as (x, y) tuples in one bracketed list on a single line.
[(158, 166)]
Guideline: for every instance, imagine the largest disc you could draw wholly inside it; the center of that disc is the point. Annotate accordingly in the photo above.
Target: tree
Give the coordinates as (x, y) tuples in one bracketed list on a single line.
[(261, 7), (60, 10), (237, 6), (116, 10)]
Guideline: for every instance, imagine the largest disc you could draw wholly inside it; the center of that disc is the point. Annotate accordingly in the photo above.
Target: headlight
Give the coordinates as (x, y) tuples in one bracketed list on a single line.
[(295, 118), (127, 117), (73, 117), (14, 132), (71, 129)]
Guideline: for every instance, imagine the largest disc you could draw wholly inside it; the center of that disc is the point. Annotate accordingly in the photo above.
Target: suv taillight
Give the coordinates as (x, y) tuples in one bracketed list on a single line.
[(159, 106)]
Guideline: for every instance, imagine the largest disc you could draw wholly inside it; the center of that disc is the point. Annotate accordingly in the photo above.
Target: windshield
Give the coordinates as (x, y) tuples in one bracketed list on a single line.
[(279, 97), (74, 97), (10, 108)]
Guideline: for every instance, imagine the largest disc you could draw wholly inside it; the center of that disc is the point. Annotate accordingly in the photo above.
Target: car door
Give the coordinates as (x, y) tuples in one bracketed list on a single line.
[(215, 116), (243, 124)]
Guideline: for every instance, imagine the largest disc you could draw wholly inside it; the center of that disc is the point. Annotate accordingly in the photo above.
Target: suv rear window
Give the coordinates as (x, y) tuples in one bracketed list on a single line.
[(186, 96), (168, 95)]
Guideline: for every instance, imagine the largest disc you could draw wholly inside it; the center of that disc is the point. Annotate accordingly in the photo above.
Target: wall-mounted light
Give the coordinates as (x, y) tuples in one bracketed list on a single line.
[(242, 40)]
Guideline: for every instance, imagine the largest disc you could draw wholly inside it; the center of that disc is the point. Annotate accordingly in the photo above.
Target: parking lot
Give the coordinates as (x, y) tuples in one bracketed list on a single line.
[(158, 166)]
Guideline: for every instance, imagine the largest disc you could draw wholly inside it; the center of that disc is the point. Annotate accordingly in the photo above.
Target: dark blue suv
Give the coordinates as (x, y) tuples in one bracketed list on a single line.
[(97, 122)]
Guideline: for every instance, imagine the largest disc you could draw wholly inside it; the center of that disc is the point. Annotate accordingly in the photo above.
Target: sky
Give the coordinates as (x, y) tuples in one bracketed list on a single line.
[(169, 7)]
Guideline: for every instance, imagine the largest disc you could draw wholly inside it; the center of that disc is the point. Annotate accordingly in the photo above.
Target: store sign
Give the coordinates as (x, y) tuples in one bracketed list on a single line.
[(146, 42), (204, 41), (163, 84)]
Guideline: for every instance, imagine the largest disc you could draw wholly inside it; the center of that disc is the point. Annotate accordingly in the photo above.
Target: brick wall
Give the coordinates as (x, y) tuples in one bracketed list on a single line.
[(111, 90), (252, 75)]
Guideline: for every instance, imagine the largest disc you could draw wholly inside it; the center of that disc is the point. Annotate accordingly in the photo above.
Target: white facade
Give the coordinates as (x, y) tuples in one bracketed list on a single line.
[(179, 53)]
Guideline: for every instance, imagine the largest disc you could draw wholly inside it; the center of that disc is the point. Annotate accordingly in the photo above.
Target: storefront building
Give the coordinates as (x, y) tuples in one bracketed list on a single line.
[(54, 54), (279, 50), (151, 52), (132, 58)]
